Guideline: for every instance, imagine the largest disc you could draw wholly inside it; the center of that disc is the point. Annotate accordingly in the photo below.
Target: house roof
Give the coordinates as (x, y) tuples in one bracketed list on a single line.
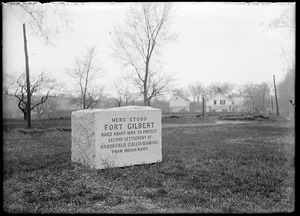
[(177, 96), (214, 96)]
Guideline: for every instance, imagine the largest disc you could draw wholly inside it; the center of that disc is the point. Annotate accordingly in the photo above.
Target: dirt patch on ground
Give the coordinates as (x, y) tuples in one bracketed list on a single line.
[(211, 118), (205, 124), (252, 117), (187, 119)]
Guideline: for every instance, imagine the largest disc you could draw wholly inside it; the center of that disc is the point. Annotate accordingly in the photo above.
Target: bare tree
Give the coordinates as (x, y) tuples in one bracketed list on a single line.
[(45, 20), (180, 92), (225, 88), (286, 23), (249, 91), (124, 89), (257, 96), (44, 108), (42, 86), (137, 45), (91, 99), (196, 90), (262, 96), (285, 20), (38, 16), (7, 82), (158, 84), (264, 90), (86, 72), (129, 96)]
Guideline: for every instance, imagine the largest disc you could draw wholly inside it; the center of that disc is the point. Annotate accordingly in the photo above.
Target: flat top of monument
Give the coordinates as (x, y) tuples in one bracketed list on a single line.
[(125, 108)]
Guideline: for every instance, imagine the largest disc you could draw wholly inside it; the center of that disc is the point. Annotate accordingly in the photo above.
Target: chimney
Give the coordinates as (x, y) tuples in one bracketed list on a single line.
[(219, 90)]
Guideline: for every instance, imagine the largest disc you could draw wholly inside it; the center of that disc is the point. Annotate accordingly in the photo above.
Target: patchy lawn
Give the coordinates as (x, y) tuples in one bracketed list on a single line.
[(44, 123), (243, 168)]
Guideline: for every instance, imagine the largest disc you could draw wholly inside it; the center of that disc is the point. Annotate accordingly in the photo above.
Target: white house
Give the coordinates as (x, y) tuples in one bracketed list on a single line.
[(219, 103), (179, 104)]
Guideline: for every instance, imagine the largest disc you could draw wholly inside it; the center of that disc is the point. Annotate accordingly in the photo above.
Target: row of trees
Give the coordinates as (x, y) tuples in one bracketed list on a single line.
[(198, 90), (88, 93), (258, 96)]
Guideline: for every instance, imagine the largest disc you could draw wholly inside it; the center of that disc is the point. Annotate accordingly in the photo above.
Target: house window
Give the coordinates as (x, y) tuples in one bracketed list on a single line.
[(222, 102), (215, 102)]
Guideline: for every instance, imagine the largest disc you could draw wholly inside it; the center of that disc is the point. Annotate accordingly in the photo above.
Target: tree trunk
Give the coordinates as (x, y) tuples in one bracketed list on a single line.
[(272, 102), (145, 94), (145, 83), (27, 79), (25, 114), (84, 102)]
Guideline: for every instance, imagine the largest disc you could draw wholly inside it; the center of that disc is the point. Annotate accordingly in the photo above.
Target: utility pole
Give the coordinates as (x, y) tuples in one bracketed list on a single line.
[(272, 101), (203, 104), (277, 111), (27, 80), (203, 107)]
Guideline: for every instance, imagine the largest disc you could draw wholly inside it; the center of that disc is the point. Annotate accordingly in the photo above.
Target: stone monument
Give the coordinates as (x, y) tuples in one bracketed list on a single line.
[(116, 137)]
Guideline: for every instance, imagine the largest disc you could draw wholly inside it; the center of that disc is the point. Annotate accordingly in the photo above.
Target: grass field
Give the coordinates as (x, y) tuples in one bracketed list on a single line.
[(246, 168)]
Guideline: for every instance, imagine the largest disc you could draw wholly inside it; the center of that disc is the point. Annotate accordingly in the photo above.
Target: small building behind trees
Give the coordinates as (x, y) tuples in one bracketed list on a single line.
[(238, 103), (179, 104)]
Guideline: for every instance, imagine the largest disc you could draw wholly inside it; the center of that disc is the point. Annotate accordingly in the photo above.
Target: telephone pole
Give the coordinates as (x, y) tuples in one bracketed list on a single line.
[(203, 104), (27, 80), (277, 111), (272, 101)]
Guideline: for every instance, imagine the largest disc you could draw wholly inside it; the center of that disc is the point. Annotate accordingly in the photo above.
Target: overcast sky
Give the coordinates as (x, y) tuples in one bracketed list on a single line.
[(217, 42)]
